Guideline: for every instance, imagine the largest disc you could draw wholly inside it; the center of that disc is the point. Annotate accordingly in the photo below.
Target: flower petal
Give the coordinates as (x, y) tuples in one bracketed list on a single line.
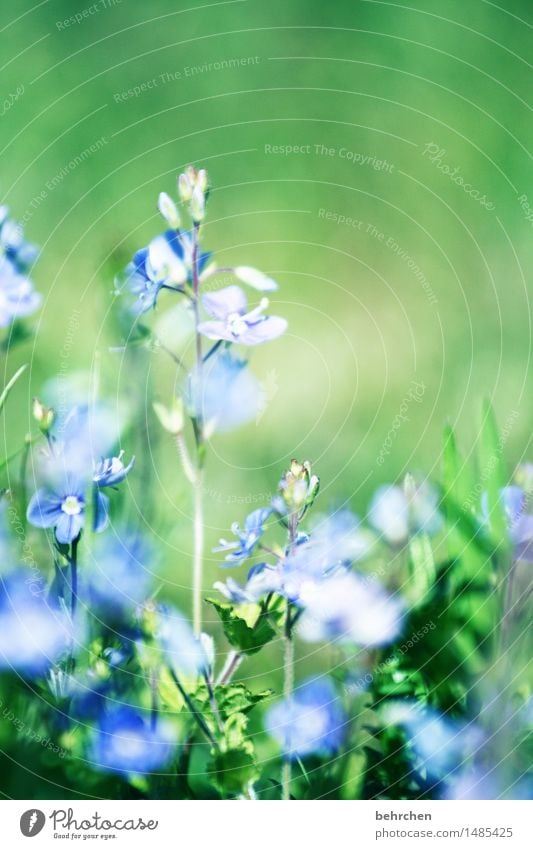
[(44, 509), (225, 302)]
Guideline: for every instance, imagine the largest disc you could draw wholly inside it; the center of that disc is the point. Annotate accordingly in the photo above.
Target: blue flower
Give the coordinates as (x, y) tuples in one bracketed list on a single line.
[(312, 721), (18, 298), (62, 509), (262, 579), (232, 321), (13, 245), (350, 608), (33, 635), (248, 537), (165, 264), (223, 394), (120, 574), (519, 522), (395, 515), (124, 742), (112, 471), (440, 744)]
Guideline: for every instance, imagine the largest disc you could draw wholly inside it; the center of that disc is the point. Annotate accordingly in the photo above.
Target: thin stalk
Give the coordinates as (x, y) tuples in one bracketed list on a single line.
[(193, 709), (198, 555), (213, 703), (288, 687), (74, 575), (198, 521), (233, 661)]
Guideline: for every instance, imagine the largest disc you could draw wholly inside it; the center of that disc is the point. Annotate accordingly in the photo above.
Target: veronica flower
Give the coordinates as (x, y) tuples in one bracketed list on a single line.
[(112, 471), (12, 243), (165, 264), (311, 721), (125, 743), (233, 323), (248, 537), (395, 515), (223, 394), (519, 522), (17, 295), (33, 635), (62, 509), (345, 606), (262, 579)]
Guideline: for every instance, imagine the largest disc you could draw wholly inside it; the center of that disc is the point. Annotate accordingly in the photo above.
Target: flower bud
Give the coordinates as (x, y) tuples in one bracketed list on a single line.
[(184, 188), (171, 418), (169, 210), (44, 416), (197, 205), (298, 487)]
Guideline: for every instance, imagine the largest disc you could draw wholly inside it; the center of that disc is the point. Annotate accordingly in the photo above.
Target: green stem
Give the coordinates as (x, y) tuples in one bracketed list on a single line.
[(288, 687), (74, 575), (198, 554), (193, 709)]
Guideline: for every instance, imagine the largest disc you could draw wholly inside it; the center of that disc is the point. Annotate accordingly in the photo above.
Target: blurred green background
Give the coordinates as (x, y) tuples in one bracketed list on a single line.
[(427, 285)]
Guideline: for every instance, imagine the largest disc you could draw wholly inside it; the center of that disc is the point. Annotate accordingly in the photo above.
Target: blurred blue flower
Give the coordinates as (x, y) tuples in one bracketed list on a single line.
[(248, 537), (184, 653), (21, 253), (120, 575), (124, 742), (262, 579), (350, 608), (519, 521), (395, 516), (232, 321), (440, 744), (33, 635), (223, 394), (312, 721), (18, 298)]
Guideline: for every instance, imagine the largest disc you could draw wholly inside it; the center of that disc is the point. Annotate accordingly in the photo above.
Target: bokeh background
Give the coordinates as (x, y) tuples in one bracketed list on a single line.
[(306, 114)]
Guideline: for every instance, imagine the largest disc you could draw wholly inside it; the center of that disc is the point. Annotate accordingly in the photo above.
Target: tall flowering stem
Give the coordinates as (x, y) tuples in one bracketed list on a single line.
[(198, 522)]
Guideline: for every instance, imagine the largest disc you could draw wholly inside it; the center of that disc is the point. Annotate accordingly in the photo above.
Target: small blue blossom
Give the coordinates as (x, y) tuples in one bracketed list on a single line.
[(395, 516), (519, 521), (112, 471), (312, 721), (18, 298), (232, 321), (124, 742), (248, 537), (33, 635), (224, 394), (13, 245), (262, 579), (165, 264), (63, 510)]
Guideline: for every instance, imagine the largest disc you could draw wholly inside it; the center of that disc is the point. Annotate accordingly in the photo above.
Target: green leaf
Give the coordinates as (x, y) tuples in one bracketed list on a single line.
[(423, 570), (353, 775), (246, 626), (10, 384), (492, 474), (233, 770)]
